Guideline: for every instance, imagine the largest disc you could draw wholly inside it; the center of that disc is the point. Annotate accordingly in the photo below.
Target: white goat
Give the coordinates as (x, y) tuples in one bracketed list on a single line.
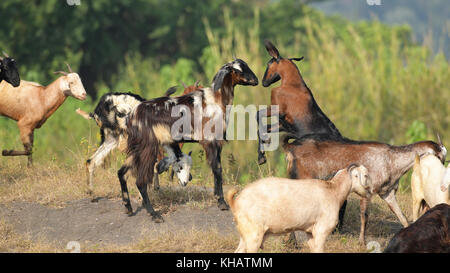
[(280, 205), (31, 104), (429, 184)]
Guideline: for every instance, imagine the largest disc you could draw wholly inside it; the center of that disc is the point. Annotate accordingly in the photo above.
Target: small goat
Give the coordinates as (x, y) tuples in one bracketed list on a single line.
[(151, 124), (110, 114), (280, 205), (8, 71), (429, 234), (299, 113), (428, 184), (31, 104), (318, 156)]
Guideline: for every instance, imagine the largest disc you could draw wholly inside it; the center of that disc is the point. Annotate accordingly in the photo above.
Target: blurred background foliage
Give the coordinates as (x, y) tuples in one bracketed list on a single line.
[(375, 80)]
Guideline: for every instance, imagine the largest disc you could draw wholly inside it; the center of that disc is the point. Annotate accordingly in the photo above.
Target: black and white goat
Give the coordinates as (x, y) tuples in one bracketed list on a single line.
[(110, 114), (158, 121), (8, 70)]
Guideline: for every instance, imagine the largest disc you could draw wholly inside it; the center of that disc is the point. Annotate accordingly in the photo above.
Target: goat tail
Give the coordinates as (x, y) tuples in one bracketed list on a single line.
[(230, 197), (84, 114), (416, 167)]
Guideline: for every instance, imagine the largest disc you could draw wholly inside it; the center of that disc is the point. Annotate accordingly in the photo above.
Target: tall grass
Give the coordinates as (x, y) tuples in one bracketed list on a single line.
[(369, 81)]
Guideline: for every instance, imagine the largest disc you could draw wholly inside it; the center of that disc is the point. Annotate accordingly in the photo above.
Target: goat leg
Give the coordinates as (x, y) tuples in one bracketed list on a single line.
[(393, 205), (123, 185), (364, 218)]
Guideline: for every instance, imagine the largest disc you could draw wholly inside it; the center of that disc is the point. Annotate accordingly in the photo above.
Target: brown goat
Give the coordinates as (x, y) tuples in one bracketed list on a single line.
[(31, 104), (298, 112), (319, 157), (429, 234)]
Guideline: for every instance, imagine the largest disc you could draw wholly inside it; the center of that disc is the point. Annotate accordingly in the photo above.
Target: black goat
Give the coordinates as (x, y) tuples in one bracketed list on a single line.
[(8, 71), (429, 234)]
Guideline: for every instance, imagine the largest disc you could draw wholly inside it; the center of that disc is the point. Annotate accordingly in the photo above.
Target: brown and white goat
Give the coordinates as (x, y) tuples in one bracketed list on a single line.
[(157, 122), (429, 234), (429, 184), (31, 104), (280, 205), (298, 112), (9, 71), (319, 156), (110, 114)]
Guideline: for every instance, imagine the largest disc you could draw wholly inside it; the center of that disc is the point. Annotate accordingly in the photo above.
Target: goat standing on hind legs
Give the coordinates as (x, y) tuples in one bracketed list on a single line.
[(31, 104), (298, 113), (158, 122)]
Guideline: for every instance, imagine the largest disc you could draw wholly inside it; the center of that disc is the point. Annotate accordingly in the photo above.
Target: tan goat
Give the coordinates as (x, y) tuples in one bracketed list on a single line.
[(280, 205), (31, 104), (429, 184)]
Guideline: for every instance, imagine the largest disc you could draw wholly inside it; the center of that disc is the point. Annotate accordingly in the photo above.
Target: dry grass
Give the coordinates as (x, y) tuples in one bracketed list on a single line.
[(53, 185)]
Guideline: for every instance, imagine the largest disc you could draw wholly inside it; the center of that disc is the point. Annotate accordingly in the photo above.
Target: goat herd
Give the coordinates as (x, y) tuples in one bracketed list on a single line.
[(324, 167)]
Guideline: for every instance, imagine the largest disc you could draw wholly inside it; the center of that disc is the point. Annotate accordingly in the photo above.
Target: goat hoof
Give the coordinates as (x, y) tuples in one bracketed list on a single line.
[(262, 160), (223, 205), (157, 218), (129, 211)]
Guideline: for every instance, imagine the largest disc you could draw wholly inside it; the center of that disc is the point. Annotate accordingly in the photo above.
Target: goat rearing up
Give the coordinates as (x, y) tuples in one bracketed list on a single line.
[(152, 123), (298, 112), (31, 104)]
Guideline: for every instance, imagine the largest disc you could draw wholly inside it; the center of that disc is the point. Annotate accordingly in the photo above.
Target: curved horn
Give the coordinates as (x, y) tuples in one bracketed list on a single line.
[(61, 72), (196, 83), (70, 69), (184, 85), (439, 140), (6, 55)]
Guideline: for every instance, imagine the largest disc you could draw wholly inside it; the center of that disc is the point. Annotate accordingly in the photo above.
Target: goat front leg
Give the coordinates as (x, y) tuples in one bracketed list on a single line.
[(393, 205), (27, 137), (269, 128), (123, 185), (364, 219), (213, 151), (98, 158)]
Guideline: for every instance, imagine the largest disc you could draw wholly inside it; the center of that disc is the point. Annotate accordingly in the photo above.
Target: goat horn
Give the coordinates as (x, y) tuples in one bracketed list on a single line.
[(196, 83), (439, 139), (6, 55), (70, 69), (184, 85), (61, 72)]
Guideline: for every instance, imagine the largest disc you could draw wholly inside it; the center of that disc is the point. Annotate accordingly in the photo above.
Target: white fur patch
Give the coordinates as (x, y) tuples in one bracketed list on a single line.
[(237, 66)]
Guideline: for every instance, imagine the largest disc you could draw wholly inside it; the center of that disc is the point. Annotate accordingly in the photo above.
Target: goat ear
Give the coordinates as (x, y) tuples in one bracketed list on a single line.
[(297, 59), (351, 168), (219, 77), (273, 51), (163, 165), (64, 84)]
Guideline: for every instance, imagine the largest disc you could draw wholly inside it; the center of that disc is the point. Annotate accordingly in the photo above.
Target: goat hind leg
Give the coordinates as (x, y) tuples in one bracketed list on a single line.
[(142, 186), (123, 185)]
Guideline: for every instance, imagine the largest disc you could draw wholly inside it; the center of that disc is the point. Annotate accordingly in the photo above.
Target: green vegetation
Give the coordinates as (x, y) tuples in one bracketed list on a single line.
[(371, 80)]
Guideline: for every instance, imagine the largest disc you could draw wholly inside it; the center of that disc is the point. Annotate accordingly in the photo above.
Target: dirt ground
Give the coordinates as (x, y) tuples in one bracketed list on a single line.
[(43, 209)]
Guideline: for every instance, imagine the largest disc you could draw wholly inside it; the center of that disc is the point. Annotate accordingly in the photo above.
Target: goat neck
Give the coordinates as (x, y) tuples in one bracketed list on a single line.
[(402, 159), (290, 74), (53, 97), (341, 183)]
